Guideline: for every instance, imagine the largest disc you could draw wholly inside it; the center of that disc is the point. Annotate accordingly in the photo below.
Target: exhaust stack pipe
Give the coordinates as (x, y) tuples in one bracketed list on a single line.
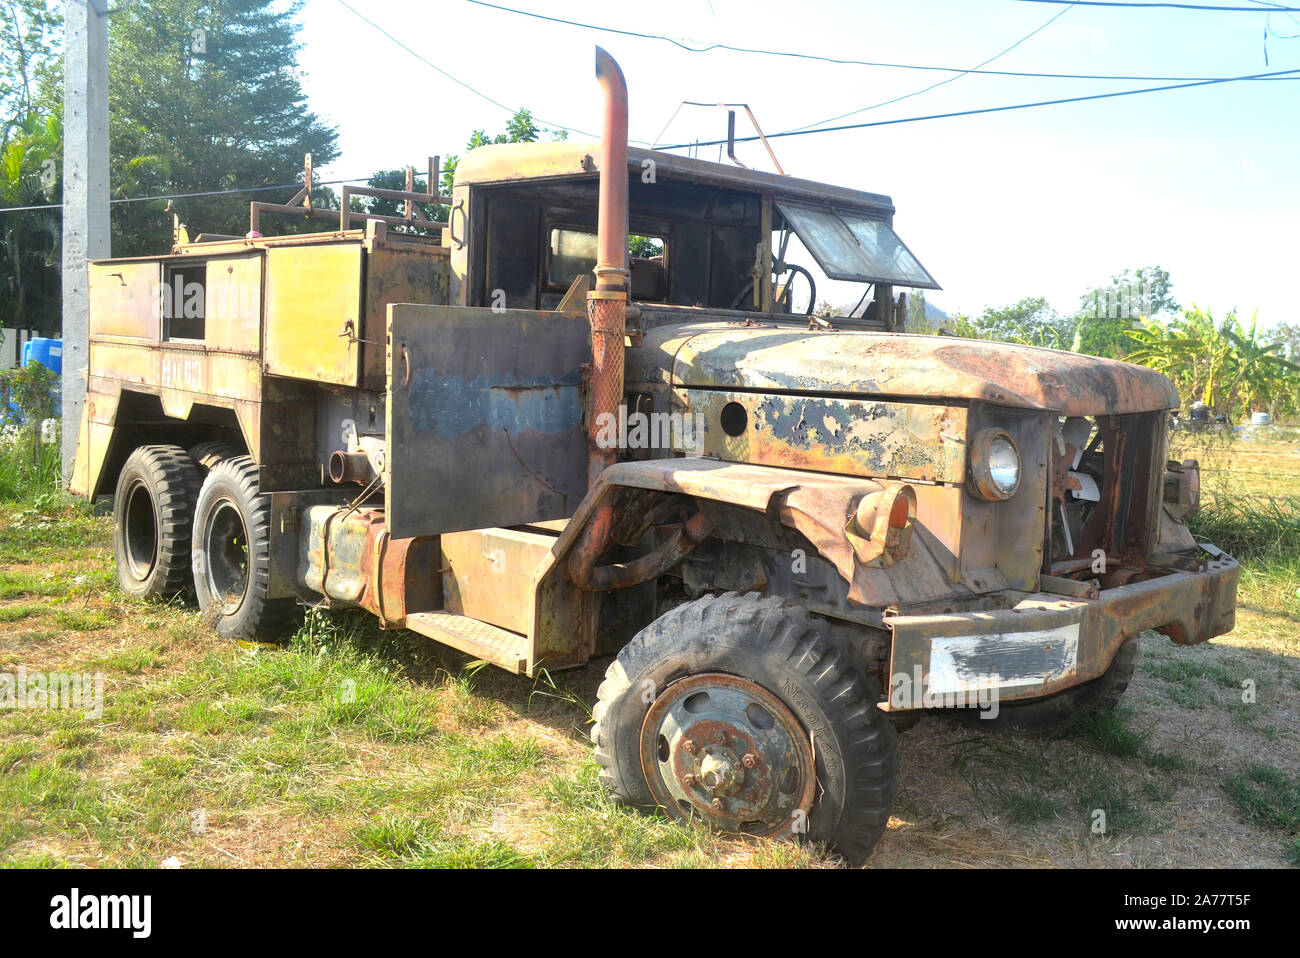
[(607, 303)]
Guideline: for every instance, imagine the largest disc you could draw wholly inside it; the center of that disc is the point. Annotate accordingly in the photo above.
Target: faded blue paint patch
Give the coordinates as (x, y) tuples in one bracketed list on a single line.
[(450, 406)]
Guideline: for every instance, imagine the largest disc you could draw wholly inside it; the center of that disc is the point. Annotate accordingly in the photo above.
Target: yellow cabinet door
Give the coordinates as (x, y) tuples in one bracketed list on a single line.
[(313, 311)]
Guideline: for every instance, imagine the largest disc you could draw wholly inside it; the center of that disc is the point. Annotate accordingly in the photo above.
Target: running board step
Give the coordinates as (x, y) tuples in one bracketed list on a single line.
[(474, 637)]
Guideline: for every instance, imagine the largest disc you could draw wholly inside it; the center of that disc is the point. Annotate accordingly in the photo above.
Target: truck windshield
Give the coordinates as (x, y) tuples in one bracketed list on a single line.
[(856, 247)]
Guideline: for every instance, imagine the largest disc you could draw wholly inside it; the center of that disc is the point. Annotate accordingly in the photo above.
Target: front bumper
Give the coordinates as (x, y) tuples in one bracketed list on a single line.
[(1048, 643)]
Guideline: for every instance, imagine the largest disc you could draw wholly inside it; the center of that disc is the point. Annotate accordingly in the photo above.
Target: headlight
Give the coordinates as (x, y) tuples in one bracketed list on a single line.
[(994, 465)]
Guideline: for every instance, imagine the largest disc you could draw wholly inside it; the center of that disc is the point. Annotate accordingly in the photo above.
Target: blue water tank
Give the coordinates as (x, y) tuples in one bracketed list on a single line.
[(47, 352)]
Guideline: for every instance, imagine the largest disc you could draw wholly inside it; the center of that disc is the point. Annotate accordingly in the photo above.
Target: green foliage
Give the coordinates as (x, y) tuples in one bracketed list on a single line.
[(1267, 797), (1099, 328), (521, 128), (214, 110), (29, 466), (30, 168), (1288, 335), (1224, 364), (644, 247), (27, 395), (30, 33), (1031, 321), (1146, 291)]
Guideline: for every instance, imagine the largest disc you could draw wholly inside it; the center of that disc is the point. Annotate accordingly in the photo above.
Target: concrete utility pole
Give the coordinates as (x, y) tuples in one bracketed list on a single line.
[(85, 192)]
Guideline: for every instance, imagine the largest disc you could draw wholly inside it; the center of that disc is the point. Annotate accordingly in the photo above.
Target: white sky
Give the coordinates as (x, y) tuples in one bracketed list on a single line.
[(1045, 201)]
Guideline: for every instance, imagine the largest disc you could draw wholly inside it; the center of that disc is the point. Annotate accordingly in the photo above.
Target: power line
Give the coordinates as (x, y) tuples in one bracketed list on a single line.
[(458, 82), (932, 86), (185, 196), (1171, 6), (838, 61), (990, 109)]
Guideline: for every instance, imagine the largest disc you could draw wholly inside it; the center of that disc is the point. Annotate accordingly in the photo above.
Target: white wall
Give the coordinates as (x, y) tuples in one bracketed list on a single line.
[(11, 350)]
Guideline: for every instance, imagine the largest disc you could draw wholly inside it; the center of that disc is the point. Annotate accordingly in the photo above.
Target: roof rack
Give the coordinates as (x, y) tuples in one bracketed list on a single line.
[(301, 204)]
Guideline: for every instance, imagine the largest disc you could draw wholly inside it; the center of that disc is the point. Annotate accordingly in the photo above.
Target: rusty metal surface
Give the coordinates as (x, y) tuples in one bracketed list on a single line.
[(395, 275), (505, 163), (815, 505), (484, 417), (488, 574), (1189, 607), (726, 749), (348, 557), (482, 640), (873, 439), (597, 539), (780, 357)]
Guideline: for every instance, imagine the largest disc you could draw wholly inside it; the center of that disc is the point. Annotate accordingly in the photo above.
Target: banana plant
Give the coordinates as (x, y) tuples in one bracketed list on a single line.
[(1224, 364)]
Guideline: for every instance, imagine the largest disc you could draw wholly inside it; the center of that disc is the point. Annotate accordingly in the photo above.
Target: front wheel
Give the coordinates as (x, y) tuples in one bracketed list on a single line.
[(738, 710), (232, 554)]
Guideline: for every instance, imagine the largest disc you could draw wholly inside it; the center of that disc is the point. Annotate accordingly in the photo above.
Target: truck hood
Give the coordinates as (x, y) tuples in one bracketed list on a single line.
[(773, 357)]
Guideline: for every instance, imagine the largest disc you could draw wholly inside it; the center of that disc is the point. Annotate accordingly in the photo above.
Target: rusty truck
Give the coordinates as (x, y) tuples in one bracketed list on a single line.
[(505, 429)]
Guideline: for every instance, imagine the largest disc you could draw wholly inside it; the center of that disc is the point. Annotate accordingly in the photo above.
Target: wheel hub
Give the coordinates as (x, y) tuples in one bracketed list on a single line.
[(730, 751), (226, 549), (139, 531)]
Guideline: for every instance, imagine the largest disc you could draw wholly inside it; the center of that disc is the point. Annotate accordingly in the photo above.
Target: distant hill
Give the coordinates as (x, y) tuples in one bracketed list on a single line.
[(932, 312)]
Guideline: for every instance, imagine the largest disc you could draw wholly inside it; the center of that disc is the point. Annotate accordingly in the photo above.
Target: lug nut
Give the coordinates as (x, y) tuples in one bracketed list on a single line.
[(717, 804), (749, 761), (690, 747), (720, 738), (689, 780)]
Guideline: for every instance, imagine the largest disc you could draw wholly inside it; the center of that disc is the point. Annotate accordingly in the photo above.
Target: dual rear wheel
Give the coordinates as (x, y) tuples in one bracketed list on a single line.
[(198, 519)]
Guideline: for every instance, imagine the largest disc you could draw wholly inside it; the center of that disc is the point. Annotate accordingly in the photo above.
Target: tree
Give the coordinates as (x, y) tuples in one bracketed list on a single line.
[(396, 180), (1107, 312), (204, 96), (30, 165), (1132, 294), (1288, 335), (30, 34), (1030, 322), (520, 128), (917, 321), (1225, 365)]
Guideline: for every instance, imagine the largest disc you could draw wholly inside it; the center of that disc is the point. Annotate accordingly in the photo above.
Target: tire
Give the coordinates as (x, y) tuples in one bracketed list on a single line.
[(779, 659), (208, 454), (231, 555), (153, 517), (1066, 711)]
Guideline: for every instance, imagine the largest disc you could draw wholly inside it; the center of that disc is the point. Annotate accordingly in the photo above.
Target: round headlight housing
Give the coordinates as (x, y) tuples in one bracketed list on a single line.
[(994, 465)]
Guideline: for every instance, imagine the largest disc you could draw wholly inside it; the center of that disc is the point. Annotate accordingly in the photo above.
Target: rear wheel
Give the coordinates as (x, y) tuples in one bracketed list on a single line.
[(738, 710), (153, 517), (208, 454), (232, 554)]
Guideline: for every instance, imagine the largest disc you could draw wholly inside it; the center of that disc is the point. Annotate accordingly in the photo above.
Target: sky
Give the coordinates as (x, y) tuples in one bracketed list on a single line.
[(1038, 202)]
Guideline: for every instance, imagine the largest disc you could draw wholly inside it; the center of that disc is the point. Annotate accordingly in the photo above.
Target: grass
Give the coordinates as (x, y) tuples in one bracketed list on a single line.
[(352, 746)]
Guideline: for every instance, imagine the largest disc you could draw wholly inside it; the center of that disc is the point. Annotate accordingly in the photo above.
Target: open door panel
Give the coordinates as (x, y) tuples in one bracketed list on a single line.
[(484, 417)]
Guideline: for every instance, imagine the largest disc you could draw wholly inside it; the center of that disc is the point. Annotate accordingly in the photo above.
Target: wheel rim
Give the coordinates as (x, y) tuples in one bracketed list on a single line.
[(139, 531), (729, 751), (226, 547)]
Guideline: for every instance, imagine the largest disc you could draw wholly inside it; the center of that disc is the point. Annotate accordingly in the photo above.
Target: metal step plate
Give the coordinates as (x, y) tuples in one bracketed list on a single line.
[(498, 646)]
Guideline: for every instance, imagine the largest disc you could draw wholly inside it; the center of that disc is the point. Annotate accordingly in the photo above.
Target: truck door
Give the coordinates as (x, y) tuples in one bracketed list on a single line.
[(484, 417)]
